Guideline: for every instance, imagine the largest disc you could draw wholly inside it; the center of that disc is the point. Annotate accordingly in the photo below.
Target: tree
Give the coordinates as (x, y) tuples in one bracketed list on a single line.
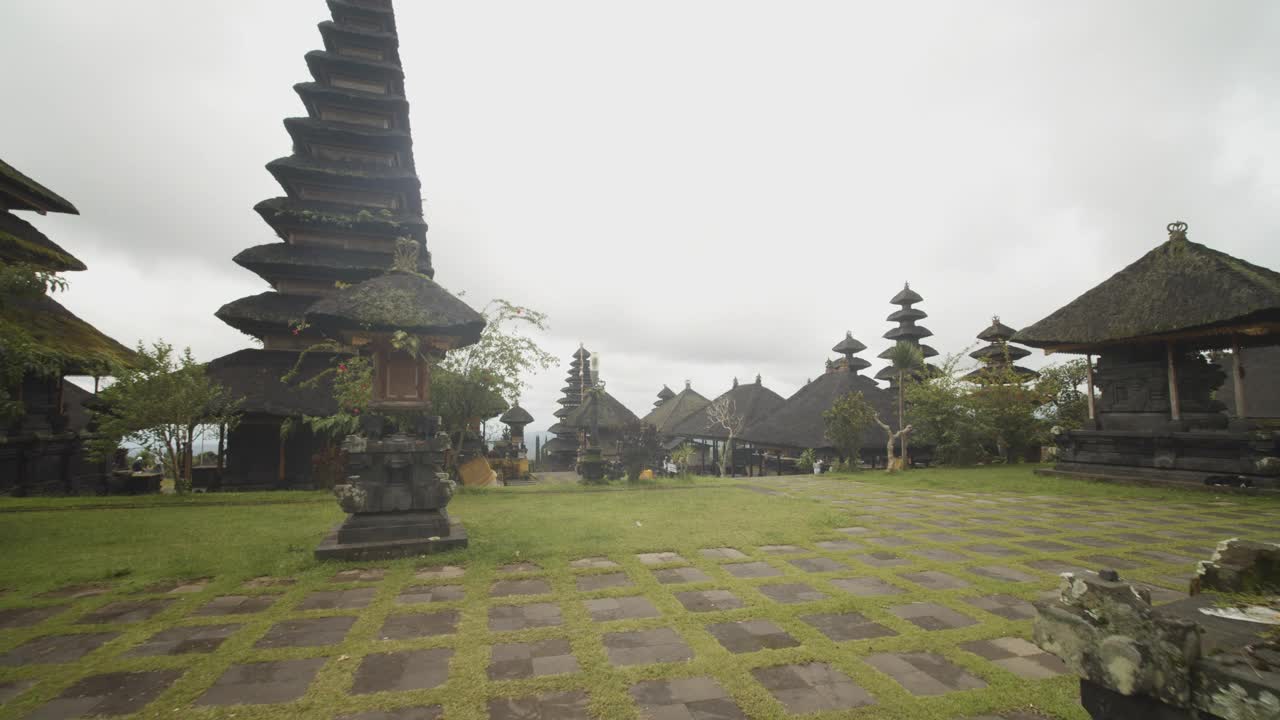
[(907, 361), (722, 412), (639, 449), (944, 416), (1007, 405), (846, 421), (683, 457), (164, 404), (21, 352), (1065, 404)]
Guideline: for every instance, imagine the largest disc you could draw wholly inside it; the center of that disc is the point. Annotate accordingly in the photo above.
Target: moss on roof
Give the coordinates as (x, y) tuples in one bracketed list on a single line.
[(21, 242), (23, 193), (400, 301), (675, 409), (1179, 286), (53, 333)]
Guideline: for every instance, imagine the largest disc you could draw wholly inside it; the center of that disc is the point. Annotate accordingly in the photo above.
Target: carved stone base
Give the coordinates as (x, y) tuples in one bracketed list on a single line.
[(386, 536)]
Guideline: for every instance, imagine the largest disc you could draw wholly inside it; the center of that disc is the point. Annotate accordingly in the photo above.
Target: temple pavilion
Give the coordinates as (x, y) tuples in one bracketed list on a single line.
[(351, 199), (1149, 326), (43, 424), (997, 359), (664, 395), (674, 409), (753, 402), (906, 331)]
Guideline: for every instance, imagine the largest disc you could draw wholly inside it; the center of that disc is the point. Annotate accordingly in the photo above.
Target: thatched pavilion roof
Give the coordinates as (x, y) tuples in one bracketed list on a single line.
[(753, 401), (613, 415), (77, 347), (255, 376), (516, 416), (798, 422), (21, 242), (19, 192), (674, 410), (404, 301), (1181, 289)]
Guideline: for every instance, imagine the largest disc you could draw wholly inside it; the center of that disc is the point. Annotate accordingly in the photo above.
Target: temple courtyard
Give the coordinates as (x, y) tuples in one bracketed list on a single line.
[(865, 596)]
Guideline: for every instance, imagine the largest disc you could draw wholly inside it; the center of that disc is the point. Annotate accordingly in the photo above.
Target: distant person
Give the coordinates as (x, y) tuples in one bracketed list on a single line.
[(137, 464), (817, 466)]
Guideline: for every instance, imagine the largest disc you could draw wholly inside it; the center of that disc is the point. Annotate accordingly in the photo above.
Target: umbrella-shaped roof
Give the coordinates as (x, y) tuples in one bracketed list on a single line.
[(753, 401), (603, 409), (798, 422), (671, 412)]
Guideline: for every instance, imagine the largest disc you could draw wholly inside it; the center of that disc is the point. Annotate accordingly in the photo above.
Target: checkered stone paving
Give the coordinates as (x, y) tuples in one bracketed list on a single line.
[(700, 698)]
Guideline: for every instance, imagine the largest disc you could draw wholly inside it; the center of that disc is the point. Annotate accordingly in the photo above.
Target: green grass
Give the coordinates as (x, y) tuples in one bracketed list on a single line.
[(48, 547)]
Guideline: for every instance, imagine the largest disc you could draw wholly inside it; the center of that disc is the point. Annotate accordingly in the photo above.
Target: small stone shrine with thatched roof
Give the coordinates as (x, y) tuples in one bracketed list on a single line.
[(907, 330), (352, 201), (43, 424), (998, 357), (1149, 325)]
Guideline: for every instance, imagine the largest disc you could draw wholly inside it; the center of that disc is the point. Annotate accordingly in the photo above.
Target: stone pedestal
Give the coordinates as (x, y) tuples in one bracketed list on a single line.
[(396, 497)]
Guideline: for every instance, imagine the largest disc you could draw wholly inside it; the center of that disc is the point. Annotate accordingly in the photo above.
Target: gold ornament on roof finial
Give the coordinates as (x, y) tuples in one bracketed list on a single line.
[(1177, 229)]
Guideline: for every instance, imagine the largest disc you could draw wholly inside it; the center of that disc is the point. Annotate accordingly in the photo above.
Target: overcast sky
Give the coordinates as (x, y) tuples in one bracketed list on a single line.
[(694, 189)]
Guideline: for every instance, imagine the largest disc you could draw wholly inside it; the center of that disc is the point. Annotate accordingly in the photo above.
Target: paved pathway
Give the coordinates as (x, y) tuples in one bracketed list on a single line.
[(915, 605)]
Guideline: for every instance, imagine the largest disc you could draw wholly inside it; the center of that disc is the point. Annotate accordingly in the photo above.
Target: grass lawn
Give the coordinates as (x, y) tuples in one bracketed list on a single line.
[(931, 536)]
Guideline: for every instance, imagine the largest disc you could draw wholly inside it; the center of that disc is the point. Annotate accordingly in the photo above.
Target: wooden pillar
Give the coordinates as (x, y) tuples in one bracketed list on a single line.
[(1237, 374), (1175, 406), (280, 469), (1093, 415)]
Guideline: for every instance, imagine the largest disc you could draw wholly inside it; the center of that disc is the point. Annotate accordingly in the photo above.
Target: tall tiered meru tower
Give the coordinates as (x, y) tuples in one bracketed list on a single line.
[(351, 195)]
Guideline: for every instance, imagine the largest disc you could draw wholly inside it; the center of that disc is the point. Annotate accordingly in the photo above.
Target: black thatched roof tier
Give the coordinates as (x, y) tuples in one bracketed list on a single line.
[(664, 395), (848, 346), (907, 314), (265, 312), (255, 375), (754, 402), (56, 333), (675, 409), (19, 192), (1181, 289), (925, 349), (516, 416), (284, 214), (316, 96), (563, 412), (561, 445), (908, 332), (324, 65), (289, 171), (348, 40), (984, 373), (612, 414), (306, 131), (561, 429), (282, 260), (373, 15), (798, 422), (906, 296), (404, 301), (998, 351), (852, 363), (998, 332), (21, 242)]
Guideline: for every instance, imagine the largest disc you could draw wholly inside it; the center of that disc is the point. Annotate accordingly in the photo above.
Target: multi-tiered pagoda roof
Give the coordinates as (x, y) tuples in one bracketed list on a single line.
[(998, 356), (563, 448), (907, 329)]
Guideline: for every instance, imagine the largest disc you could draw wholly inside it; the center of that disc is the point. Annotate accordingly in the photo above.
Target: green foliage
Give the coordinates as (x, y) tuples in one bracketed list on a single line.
[(846, 421), (20, 351), (1066, 405), (683, 457), (805, 463), (163, 405), (944, 416), (640, 449)]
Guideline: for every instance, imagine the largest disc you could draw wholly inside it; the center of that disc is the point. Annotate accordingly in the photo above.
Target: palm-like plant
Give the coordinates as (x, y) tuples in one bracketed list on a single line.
[(906, 360)]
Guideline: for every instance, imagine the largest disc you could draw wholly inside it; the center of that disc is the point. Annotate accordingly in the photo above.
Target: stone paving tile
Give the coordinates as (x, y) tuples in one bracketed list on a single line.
[(13, 688), (591, 583), (419, 625), (402, 671), (699, 698), (882, 559), (75, 592), (1111, 561), (593, 563), (931, 616), (839, 546), (751, 636), (708, 600), (433, 712), (26, 617), (120, 693), (818, 565), (1018, 657), (356, 599), (261, 683), (672, 576), (991, 533), (416, 594), (55, 649), (944, 538), (1057, 567), (935, 580), (993, 550), (924, 673), (722, 553), (855, 530), (892, 541), (1091, 541), (507, 618), (780, 549), (519, 567), (516, 661), (792, 593), (660, 558), (186, 639), (940, 555), (847, 626), (266, 582), (178, 587), (1045, 546), (642, 647), (235, 605), (752, 570), (359, 575), (1167, 557), (554, 706), (307, 632), (623, 608), (1137, 538), (1005, 606), (866, 586), (507, 588), (444, 572), (126, 611), (812, 687)]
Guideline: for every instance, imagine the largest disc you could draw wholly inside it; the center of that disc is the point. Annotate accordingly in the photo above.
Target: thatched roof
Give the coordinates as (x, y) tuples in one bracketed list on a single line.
[(560, 445), (753, 401), (45, 328), (906, 296), (264, 312), (613, 415), (21, 242), (276, 260), (998, 331), (1179, 289), (798, 422), (19, 192), (848, 346), (516, 416), (561, 429), (998, 351), (664, 395), (674, 410), (400, 301), (283, 212), (254, 375)]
